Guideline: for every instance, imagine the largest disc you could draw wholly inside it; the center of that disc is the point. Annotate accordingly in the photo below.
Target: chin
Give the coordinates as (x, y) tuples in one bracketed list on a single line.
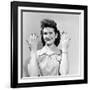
[(48, 44)]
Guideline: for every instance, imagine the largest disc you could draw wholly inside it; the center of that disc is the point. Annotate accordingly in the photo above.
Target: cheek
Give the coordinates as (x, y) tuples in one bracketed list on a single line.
[(44, 36), (53, 36)]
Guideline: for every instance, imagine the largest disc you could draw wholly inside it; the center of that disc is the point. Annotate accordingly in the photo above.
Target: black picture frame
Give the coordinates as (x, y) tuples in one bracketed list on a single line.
[(14, 43)]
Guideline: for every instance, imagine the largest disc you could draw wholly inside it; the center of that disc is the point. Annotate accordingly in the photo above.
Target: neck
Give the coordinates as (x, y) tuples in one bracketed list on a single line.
[(52, 46)]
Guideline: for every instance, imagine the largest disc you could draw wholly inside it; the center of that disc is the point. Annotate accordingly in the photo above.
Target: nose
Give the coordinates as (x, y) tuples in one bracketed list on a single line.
[(48, 35)]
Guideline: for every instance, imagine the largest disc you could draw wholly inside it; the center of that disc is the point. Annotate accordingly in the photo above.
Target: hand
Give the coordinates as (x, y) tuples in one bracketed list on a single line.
[(32, 42), (65, 40)]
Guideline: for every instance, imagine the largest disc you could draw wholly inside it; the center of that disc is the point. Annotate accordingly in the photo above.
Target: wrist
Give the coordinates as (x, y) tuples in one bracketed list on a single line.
[(64, 50), (33, 51), (33, 54)]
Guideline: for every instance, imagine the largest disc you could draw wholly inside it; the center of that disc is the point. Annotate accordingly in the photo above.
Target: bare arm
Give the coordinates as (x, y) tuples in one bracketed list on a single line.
[(64, 65), (33, 69), (25, 69)]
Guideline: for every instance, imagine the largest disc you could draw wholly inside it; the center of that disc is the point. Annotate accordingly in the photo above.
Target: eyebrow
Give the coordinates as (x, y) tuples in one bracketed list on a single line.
[(48, 32)]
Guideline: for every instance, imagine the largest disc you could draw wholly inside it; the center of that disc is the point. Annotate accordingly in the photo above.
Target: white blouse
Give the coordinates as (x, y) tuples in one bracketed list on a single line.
[(48, 62)]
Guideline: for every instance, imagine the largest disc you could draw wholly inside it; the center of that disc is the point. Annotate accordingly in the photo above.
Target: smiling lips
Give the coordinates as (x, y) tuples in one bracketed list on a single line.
[(47, 39)]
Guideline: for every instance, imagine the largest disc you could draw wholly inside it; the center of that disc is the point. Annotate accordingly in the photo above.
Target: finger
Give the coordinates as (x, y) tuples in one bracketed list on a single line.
[(35, 36), (63, 32), (31, 35), (27, 42)]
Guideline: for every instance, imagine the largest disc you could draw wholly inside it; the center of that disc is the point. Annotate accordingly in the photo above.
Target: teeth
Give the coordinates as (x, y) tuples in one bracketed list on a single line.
[(48, 39)]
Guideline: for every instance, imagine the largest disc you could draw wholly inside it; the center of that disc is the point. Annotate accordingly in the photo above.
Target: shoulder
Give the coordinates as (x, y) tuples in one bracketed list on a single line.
[(60, 51), (40, 52)]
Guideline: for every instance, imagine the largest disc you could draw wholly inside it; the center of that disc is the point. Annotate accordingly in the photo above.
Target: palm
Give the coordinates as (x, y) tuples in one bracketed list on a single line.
[(65, 38), (33, 41)]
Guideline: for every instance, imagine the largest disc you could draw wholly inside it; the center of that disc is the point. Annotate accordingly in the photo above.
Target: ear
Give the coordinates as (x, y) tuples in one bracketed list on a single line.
[(56, 35)]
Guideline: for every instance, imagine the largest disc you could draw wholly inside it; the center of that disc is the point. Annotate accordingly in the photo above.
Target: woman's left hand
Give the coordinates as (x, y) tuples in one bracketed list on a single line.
[(65, 41)]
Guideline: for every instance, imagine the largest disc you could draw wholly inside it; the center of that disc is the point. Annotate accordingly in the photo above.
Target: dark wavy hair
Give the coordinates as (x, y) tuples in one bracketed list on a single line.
[(50, 23)]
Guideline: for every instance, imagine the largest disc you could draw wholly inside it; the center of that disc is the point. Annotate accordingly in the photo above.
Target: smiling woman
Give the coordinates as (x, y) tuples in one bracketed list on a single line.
[(49, 35), (49, 28), (50, 60)]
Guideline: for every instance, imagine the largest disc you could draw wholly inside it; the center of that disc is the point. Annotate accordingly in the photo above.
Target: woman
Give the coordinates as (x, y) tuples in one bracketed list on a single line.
[(50, 60)]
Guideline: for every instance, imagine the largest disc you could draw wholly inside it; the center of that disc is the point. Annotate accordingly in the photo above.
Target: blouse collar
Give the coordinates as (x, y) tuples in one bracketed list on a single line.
[(46, 50)]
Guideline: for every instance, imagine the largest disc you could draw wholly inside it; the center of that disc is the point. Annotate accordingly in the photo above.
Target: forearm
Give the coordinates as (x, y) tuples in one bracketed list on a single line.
[(64, 67), (25, 69), (33, 65)]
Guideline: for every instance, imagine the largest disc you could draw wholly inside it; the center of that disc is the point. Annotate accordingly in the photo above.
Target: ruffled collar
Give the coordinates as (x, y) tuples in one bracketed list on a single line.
[(46, 50)]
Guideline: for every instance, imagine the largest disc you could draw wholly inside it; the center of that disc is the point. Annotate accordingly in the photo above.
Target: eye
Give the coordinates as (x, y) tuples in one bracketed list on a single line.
[(50, 32), (45, 33)]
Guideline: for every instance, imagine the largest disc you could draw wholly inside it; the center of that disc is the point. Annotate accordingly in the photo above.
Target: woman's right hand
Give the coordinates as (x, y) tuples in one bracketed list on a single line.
[(32, 41), (65, 41)]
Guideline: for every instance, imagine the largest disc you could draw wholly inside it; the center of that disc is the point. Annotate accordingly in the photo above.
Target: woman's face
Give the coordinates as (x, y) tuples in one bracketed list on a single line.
[(49, 35)]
